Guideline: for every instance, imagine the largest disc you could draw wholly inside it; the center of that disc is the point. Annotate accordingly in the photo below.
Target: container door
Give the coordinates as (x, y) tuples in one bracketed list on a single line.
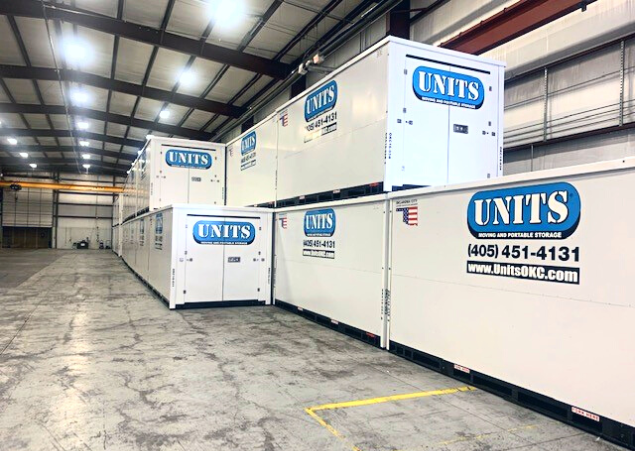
[(203, 261), (425, 122), (242, 266), (473, 141), (173, 179)]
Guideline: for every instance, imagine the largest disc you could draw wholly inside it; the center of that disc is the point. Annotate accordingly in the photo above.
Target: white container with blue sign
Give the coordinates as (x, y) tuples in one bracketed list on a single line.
[(523, 284), (170, 171), (330, 260), (401, 114), (198, 255), (252, 160)]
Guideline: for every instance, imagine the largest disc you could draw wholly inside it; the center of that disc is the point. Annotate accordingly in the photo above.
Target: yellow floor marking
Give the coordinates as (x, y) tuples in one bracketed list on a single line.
[(331, 429), (367, 402), (371, 401)]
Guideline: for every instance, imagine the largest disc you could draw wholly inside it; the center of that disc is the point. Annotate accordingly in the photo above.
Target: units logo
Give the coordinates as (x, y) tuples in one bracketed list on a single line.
[(550, 211), (319, 222), (248, 143), (224, 232), (188, 159), (448, 88), (320, 101)]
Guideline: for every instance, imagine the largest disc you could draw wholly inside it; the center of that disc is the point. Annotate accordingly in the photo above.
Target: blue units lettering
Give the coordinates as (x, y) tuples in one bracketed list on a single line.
[(248, 143), (319, 222), (224, 232), (448, 88), (550, 211), (188, 159), (320, 101)]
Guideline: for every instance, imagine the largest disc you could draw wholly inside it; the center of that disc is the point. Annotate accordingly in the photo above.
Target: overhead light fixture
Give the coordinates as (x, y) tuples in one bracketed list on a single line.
[(227, 13), (164, 114), (33, 165), (82, 125), (12, 141), (24, 155), (84, 143), (187, 78), (79, 97), (86, 166), (86, 156), (77, 51)]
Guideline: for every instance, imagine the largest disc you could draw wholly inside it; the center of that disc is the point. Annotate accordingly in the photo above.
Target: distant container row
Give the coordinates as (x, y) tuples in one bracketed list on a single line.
[(401, 114)]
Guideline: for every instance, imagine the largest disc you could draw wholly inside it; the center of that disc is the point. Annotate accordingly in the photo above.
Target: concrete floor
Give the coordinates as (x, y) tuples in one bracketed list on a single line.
[(91, 360)]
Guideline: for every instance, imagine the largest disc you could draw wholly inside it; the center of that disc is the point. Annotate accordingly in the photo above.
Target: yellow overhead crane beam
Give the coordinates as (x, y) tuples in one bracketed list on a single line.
[(62, 187)]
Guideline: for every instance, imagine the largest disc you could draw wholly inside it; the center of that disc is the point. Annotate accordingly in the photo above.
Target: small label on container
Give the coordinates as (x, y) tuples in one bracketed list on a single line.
[(585, 414), (462, 369), (233, 259)]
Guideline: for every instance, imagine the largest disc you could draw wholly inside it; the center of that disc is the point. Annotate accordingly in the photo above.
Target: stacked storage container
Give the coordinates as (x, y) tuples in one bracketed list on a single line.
[(170, 171), (401, 114)]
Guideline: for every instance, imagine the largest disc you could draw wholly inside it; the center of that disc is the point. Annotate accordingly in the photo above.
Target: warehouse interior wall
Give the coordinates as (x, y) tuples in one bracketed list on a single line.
[(40, 218)]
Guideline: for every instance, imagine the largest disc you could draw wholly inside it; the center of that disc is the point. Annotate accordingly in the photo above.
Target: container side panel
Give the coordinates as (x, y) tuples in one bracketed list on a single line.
[(329, 261), (529, 282), (333, 137), (251, 166)]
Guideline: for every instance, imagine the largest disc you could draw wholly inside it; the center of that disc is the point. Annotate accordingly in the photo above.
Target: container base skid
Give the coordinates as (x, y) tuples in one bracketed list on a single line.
[(606, 428), (328, 196), (351, 331)]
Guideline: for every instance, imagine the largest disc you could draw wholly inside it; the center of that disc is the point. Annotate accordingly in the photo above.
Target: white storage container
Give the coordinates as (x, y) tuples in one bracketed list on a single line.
[(197, 255), (170, 171), (400, 114), (116, 240), (330, 261), (252, 164), (527, 280)]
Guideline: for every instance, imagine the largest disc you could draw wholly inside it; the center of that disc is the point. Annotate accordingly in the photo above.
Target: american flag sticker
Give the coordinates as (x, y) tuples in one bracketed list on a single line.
[(410, 214), (284, 118), (283, 222)]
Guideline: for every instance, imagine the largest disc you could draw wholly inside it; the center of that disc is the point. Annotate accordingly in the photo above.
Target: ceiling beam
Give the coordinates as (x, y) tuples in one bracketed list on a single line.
[(45, 73), (89, 19), (67, 134), (512, 22), (106, 117), (67, 149)]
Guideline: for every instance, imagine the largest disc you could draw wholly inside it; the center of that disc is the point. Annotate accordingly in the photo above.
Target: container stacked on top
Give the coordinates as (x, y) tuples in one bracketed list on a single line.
[(401, 114)]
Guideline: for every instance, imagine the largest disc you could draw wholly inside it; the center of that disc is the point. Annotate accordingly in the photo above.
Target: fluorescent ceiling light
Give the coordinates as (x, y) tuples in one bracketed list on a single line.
[(83, 125), (84, 143), (77, 51), (12, 141), (86, 156), (24, 155), (227, 13), (33, 165), (79, 97), (187, 78), (164, 114), (86, 166)]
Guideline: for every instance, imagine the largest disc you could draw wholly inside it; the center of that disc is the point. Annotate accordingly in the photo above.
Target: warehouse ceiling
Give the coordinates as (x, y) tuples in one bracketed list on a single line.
[(83, 82)]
